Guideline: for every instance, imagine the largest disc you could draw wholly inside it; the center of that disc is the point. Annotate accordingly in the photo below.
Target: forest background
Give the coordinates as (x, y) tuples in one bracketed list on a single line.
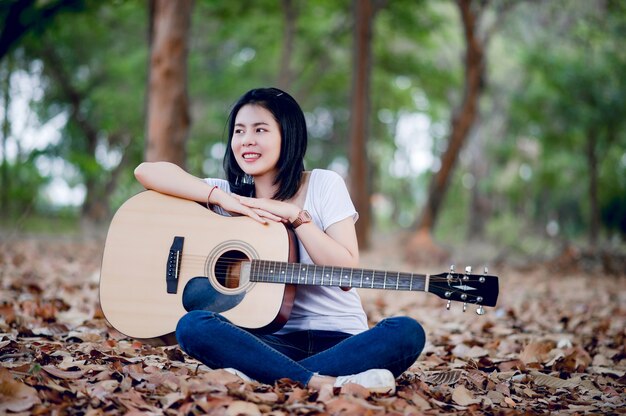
[(487, 132), (494, 121)]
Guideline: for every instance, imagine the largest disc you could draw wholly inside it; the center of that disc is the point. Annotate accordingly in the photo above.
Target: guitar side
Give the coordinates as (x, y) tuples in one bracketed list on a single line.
[(133, 289)]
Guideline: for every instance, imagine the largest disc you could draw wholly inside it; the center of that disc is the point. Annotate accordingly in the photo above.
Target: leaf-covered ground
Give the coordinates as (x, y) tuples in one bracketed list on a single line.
[(554, 344)]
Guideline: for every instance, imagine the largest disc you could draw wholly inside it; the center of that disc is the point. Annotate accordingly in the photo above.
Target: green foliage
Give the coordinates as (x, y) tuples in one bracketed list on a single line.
[(549, 87), (572, 96), (23, 190)]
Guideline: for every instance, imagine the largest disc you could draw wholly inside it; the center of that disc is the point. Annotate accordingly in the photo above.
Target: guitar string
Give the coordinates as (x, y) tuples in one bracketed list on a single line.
[(369, 272)]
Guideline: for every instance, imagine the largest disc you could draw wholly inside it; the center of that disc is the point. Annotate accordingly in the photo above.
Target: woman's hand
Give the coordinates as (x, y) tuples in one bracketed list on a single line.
[(270, 208), (232, 203)]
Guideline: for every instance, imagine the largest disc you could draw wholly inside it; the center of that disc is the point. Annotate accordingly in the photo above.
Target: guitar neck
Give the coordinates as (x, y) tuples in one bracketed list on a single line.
[(310, 274)]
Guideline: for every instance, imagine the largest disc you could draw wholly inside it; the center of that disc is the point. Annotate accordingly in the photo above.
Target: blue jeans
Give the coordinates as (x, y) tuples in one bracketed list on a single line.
[(394, 344)]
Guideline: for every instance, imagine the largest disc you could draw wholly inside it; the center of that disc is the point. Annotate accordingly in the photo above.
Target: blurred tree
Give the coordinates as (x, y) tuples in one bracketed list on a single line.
[(365, 13), (6, 71), (168, 119), (285, 73), (461, 124), (575, 97), (100, 95)]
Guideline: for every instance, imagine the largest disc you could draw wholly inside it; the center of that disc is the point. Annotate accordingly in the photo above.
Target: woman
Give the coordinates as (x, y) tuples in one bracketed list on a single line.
[(326, 339)]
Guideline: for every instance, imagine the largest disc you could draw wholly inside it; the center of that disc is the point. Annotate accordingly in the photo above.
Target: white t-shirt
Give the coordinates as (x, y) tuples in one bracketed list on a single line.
[(319, 307)]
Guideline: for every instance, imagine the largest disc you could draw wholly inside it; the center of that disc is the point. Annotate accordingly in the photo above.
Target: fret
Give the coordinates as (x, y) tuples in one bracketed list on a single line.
[(260, 271), (299, 276), (332, 271), (385, 281), (398, 281), (277, 271), (351, 274), (404, 281), (252, 271), (340, 275), (269, 274), (411, 286), (373, 278)]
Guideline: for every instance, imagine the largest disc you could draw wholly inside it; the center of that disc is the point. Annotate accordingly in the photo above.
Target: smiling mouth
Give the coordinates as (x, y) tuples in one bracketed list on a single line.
[(251, 156)]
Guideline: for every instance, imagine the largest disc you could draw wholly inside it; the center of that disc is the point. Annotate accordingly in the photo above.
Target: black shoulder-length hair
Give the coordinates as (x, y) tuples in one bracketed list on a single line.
[(290, 118)]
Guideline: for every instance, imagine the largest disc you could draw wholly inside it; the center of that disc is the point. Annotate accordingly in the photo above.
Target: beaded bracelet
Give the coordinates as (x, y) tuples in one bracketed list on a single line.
[(209, 205)]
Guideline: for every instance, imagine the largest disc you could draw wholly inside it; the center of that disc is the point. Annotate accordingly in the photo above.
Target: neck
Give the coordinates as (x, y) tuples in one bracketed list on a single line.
[(264, 186), (311, 274)]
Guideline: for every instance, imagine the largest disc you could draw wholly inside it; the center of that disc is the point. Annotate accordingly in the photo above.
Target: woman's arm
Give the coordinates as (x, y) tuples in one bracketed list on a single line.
[(170, 179), (337, 246)]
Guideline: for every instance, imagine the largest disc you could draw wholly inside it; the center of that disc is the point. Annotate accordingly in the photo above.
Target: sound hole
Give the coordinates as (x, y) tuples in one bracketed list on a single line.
[(228, 268)]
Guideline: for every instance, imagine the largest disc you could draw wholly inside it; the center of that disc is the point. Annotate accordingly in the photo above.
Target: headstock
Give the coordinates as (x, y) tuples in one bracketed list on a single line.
[(478, 289)]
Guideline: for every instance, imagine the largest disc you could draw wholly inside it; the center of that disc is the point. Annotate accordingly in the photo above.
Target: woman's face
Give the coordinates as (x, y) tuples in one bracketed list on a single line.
[(256, 141)]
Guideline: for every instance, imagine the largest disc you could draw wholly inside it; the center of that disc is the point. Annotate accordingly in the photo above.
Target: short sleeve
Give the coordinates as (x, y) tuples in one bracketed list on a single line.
[(333, 202)]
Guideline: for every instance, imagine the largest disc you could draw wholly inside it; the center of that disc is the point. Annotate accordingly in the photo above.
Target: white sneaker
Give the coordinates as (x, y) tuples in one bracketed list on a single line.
[(375, 380)]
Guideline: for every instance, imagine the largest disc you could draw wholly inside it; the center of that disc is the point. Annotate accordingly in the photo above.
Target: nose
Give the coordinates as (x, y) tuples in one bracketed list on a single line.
[(247, 139)]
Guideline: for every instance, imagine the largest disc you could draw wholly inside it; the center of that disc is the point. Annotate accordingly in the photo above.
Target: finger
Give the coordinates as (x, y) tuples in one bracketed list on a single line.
[(250, 213), (267, 214)]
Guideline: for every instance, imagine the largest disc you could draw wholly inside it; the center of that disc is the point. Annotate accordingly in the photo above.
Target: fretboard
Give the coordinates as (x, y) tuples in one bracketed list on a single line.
[(311, 274)]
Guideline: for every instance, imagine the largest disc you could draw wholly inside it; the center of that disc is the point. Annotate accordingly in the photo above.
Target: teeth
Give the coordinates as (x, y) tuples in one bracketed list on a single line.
[(251, 156)]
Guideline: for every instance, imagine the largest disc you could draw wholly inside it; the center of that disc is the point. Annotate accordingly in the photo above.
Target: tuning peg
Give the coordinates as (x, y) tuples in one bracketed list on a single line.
[(468, 271), (464, 306), (448, 305), (480, 310)]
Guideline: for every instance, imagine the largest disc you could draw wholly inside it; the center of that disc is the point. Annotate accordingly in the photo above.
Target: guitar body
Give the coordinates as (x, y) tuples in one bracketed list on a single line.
[(137, 256)]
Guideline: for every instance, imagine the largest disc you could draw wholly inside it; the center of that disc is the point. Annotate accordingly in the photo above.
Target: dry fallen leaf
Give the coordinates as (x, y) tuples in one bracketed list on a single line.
[(242, 408), (553, 382), (537, 352), (444, 377), (462, 396), (548, 347), (15, 396)]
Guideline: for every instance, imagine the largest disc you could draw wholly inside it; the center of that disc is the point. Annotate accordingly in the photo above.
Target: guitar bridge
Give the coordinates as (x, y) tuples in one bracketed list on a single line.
[(173, 264)]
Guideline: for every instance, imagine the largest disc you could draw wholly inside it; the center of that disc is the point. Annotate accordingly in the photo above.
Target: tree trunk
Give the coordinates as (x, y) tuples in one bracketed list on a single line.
[(461, 124), (364, 11), (479, 208), (168, 118), (5, 182), (285, 74), (592, 164)]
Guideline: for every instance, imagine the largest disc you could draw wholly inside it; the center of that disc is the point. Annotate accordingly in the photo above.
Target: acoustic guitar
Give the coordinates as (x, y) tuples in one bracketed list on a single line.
[(165, 256)]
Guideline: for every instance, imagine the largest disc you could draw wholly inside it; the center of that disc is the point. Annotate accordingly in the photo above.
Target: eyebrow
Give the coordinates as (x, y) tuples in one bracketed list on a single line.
[(260, 123)]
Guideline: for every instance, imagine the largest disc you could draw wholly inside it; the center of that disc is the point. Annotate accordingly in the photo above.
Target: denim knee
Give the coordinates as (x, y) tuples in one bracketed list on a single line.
[(188, 327), (410, 333)]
